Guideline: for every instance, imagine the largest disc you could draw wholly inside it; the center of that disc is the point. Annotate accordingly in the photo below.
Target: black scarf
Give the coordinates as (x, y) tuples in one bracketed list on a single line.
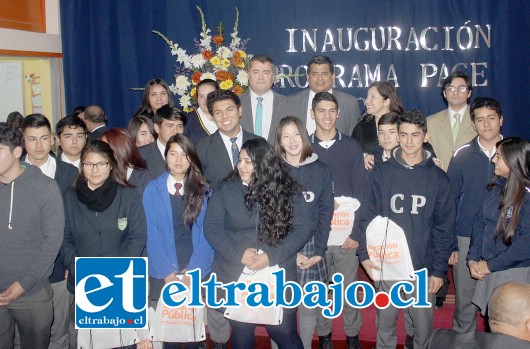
[(96, 200)]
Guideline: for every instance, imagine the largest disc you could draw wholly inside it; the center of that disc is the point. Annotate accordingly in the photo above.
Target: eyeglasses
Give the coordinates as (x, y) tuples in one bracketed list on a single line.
[(453, 89), (100, 165)]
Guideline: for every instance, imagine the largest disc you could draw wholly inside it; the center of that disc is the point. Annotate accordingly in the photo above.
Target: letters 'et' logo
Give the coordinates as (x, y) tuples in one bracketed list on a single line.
[(110, 292)]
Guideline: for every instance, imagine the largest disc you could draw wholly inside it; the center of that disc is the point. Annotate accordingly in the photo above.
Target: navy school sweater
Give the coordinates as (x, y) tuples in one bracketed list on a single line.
[(470, 171), (346, 162), (484, 245), (417, 198), (316, 179)]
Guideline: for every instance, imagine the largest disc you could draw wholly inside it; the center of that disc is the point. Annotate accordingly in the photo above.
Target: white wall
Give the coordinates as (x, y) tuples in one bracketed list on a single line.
[(50, 41)]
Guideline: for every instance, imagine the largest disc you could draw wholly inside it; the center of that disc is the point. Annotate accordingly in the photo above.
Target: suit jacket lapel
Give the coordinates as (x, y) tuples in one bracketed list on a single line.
[(220, 151), (445, 128)]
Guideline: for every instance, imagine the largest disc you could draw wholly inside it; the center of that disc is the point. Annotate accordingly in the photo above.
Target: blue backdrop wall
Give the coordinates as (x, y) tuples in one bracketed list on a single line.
[(109, 48)]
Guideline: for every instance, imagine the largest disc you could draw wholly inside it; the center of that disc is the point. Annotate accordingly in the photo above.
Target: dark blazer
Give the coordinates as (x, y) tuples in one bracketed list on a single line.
[(194, 129), (443, 338), (230, 229), (99, 234), (153, 157), (348, 105), (215, 160), (97, 133), (65, 174), (278, 112), (366, 133), (140, 179)]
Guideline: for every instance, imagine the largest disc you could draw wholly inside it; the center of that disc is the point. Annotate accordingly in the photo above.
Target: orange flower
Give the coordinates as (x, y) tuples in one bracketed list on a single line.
[(223, 75), (218, 40), (238, 90), (207, 54), (237, 60), (196, 77)]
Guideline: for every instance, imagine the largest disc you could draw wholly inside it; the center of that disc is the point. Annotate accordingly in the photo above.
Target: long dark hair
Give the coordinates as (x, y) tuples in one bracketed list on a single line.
[(272, 189), (145, 109), (124, 149), (515, 153), (103, 149), (195, 185)]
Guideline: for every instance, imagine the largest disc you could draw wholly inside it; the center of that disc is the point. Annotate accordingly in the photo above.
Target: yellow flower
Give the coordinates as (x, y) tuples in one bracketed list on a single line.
[(225, 63), (242, 54), (193, 92), (215, 60), (225, 85)]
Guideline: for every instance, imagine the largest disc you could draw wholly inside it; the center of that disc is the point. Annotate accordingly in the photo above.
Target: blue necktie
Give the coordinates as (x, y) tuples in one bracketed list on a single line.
[(235, 151), (259, 117)]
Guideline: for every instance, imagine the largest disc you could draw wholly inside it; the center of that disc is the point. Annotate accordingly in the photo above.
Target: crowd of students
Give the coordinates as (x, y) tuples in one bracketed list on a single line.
[(201, 190)]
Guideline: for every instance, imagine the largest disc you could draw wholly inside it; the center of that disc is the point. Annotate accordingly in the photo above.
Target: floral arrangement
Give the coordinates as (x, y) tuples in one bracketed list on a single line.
[(225, 64)]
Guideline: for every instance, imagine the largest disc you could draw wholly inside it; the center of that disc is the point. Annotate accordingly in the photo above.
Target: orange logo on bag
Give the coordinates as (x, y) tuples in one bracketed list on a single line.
[(340, 219), (178, 314), (389, 251)]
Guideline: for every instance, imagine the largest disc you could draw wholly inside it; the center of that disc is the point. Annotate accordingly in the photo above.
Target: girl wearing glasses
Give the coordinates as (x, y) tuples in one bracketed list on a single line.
[(499, 250), (258, 207), (104, 214)]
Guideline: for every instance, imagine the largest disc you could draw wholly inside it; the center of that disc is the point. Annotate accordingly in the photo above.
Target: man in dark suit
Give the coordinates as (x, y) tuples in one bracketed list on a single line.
[(320, 78), (95, 121), (219, 154), (38, 140), (509, 320), (262, 107), (167, 122)]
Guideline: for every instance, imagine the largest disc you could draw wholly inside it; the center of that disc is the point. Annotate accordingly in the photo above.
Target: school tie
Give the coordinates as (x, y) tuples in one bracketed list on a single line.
[(177, 187), (259, 117), (456, 126), (235, 151)]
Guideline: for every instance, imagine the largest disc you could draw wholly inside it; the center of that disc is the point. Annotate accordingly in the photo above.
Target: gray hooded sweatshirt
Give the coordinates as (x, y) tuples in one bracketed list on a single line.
[(31, 229)]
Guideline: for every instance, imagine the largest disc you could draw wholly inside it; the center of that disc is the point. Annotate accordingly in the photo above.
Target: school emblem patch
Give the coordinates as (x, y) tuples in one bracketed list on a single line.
[(122, 223)]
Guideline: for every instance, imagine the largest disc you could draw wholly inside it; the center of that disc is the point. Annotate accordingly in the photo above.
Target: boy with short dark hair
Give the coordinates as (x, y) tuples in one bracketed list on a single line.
[(31, 233), (71, 136), (167, 122), (413, 192), (344, 157), (38, 140), (470, 171), (219, 154)]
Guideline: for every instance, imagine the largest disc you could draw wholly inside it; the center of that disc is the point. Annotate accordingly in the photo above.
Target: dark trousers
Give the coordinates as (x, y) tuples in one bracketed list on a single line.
[(285, 335)]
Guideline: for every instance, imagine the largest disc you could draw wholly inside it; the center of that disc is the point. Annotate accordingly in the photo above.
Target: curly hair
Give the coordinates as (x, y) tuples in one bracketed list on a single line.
[(272, 190)]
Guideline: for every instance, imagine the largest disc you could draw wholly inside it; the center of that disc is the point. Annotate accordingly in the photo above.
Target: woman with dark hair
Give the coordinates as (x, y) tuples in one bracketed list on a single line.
[(499, 250), (141, 130), (380, 99), (258, 208), (15, 119), (128, 159), (175, 204), (200, 122), (156, 94), (104, 215), (294, 147)]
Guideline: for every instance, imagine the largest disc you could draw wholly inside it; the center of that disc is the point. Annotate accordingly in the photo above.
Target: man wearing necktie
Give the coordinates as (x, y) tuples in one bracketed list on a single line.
[(262, 107), (451, 128)]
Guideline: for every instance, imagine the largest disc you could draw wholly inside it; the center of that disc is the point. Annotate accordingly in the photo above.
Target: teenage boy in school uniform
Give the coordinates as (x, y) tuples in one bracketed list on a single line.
[(413, 192)]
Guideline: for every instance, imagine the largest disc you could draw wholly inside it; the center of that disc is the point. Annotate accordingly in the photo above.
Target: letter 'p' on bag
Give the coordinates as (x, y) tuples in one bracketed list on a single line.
[(257, 315), (182, 324), (388, 248)]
